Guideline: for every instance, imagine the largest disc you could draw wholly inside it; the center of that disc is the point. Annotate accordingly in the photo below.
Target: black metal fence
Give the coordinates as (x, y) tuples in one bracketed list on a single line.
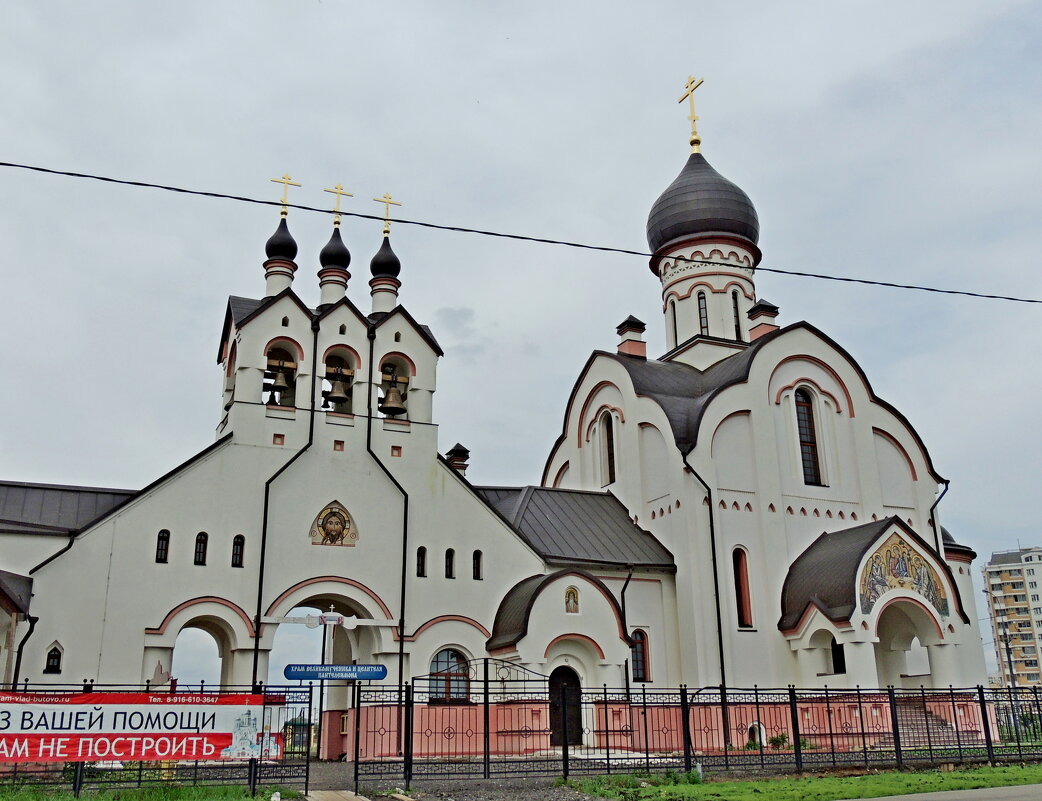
[(498, 720), (286, 721)]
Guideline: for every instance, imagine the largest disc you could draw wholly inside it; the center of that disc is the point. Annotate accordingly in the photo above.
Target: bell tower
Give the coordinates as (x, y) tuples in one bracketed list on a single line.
[(703, 232)]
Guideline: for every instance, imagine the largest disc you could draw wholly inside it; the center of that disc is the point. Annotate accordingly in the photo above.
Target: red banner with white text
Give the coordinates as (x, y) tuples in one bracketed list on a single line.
[(89, 727)]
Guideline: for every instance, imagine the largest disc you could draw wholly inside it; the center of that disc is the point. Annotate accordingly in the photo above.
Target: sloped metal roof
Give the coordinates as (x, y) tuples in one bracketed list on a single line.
[(54, 508), (17, 590), (574, 527)]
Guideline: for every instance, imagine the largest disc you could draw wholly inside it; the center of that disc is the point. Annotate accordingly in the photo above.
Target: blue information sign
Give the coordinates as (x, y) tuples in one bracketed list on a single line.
[(335, 672)]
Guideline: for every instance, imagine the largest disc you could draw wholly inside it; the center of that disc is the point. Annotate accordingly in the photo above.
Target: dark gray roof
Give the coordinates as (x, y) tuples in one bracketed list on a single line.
[(511, 624), (684, 391), (18, 590), (54, 508), (241, 308), (577, 528), (1008, 557), (825, 575), (701, 201)]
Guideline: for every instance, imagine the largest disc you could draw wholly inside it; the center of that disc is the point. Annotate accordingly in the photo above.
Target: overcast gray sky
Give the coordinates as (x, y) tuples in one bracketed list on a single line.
[(888, 140)]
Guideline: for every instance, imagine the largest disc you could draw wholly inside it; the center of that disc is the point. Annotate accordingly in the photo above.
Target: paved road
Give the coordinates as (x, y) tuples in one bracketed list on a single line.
[(1024, 792)]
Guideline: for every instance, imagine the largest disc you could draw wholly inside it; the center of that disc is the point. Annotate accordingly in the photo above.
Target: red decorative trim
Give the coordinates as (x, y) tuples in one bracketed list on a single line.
[(205, 599), (749, 294), (694, 241), (448, 618), (349, 349), (586, 405), (284, 340), (920, 604), (335, 580), (893, 441), (817, 388), (573, 636), (560, 474), (232, 353), (824, 366), (400, 355), (597, 416)]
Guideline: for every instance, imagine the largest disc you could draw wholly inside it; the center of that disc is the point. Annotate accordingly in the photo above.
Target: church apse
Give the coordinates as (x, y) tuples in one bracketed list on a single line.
[(895, 565)]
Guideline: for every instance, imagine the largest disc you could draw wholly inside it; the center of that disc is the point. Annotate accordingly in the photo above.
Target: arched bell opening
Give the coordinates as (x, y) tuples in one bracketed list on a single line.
[(829, 654), (338, 382), (280, 377), (202, 653), (906, 631)]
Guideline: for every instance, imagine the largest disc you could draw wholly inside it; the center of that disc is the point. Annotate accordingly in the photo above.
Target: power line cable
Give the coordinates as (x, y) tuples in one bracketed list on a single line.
[(503, 235)]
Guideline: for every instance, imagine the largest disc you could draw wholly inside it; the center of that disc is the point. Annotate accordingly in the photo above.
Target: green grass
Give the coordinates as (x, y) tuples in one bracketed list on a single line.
[(166, 792), (806, 788)]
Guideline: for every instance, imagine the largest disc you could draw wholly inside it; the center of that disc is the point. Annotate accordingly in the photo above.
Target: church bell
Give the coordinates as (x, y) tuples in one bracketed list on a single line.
[(338, 394), (392, 404), (280, 384)]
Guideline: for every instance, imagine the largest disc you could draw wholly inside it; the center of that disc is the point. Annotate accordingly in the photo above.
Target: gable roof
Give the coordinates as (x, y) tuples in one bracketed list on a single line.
[(54, 509), (424, 331), (16, 591), (573, 527), (825, 574)]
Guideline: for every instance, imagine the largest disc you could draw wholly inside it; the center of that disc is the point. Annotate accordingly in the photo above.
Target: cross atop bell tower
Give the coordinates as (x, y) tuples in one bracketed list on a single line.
[(689, 95)]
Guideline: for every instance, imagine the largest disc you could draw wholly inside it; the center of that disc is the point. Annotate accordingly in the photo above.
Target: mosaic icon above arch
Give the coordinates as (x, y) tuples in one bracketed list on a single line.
[(334, 525), (895, 565)]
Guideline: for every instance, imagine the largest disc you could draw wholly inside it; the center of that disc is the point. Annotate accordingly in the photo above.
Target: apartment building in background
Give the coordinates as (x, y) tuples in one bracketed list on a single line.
[(1013, 587)]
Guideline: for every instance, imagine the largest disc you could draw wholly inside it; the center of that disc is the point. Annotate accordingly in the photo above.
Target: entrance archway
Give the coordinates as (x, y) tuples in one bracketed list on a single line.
[(565, 707), (905, 629)]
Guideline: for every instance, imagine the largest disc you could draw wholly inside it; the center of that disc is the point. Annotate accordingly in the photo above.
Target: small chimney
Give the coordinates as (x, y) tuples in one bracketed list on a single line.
[(458, 458), (762, 316), (631, 338)]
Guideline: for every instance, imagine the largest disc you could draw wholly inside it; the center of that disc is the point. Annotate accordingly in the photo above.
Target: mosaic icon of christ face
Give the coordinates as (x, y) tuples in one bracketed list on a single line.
[(333, 527)]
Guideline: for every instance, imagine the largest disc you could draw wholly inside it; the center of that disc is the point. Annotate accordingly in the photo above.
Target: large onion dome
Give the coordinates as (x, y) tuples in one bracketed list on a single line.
[(335, 252), (700, 202), (281, 244)]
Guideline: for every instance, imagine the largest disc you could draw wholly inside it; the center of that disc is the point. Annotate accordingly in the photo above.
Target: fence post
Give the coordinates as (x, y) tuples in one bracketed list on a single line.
[(797, 750), (251, 773), (77, 779), (861, 723), (832, 733), (725, 721), (985, 723), (1015, 717), (607, 733), (926, 722), (895, 727), (761, 730), (409, 712), (685, 727), (307, 748), (1038, 715), (358, 731), (644, 715), (564, 730), (487, 739)]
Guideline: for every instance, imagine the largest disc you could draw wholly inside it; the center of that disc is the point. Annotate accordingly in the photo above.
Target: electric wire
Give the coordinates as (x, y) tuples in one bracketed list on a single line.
[(504, 235)]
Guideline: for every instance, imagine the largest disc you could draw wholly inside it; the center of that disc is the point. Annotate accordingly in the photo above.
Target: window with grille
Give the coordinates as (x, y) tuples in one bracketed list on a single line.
[(703, 314), (450, 679), (54, 661), (808, 438), (200, 548), (162, 546), (639, 656), (238, 549)]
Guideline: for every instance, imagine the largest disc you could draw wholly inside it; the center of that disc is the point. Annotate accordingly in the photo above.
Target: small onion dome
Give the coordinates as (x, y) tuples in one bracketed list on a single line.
[(281, 245), (385, 263), (335, 253), (701, 201)]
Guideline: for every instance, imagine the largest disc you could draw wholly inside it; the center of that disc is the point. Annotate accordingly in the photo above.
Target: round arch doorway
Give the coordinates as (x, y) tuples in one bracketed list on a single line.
[(565, 707)]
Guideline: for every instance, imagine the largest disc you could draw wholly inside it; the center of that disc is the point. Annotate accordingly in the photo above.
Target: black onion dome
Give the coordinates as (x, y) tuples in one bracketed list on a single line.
[(701, 201), (281, 245), (385, 263), (335, 253)]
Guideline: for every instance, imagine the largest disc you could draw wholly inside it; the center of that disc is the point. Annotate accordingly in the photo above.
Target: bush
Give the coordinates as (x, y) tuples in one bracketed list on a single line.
[(778, 741)]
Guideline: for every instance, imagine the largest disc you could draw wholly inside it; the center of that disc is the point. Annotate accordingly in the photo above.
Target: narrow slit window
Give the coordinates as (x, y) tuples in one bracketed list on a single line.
[(673, 320), (421, 562), (162, 547), (200, 547), (607, 449), (639, 656), (737, 316), (703, 314), (238, 550), (743, 603), (478, 575), (808, 438), (450, 564)]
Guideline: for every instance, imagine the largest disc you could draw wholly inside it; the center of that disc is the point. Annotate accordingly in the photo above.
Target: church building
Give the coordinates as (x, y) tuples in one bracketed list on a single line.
[(741, 510)]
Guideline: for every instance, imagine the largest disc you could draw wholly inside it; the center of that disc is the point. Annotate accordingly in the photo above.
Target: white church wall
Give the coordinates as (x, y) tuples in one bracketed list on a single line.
[(22, 552)]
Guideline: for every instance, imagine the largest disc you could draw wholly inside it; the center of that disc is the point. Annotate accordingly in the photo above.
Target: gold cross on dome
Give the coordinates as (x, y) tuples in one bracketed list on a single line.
[(286, 181), (386, 200), (689, 95), (337, 190)]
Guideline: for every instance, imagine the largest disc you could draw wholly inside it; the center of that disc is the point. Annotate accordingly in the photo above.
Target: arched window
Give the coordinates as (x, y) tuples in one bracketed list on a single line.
[(450, 680), (394, 385), (238, 547), (53, 664), (200, 548), (703, 314), (280, 377), (607, 430), (673, 320), (639, 656), (338, 382), (421, 562), (477, 566), (571, 601), (450, 564), (737, 315), (808, 438), (743, 604), (162, 546)]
